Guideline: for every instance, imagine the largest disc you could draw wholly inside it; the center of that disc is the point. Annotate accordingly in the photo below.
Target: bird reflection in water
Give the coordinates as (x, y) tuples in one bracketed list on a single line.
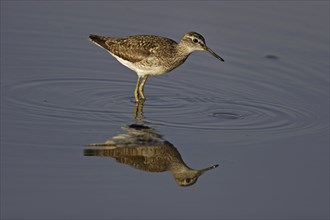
[(138, 111), (144, 149)]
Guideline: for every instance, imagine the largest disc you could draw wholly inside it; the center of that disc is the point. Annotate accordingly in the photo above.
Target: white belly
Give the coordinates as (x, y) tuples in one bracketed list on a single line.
[(140, 69)]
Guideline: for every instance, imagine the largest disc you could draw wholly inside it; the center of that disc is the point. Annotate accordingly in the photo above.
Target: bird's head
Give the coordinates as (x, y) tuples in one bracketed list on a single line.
[(194, 41), (189, 176)]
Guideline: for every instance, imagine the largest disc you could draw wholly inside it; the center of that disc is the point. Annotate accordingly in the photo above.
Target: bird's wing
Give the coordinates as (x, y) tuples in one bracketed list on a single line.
[(130, 49), (144, 163), (134, 48)]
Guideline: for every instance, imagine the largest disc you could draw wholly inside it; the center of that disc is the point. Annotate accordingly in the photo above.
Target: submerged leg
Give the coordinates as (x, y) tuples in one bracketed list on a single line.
[(138, 111), (141, 87), (136, 91)]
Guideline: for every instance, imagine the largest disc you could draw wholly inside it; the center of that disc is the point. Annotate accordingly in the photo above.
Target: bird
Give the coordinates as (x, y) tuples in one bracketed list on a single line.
[(151, 55), (145, 149)]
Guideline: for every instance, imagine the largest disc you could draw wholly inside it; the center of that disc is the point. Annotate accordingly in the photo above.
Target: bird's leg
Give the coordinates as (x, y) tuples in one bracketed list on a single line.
[(138, 111), (141, 87), (136, 91)]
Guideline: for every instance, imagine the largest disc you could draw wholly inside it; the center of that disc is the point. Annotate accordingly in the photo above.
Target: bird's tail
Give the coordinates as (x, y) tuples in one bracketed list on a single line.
[(98, 40)]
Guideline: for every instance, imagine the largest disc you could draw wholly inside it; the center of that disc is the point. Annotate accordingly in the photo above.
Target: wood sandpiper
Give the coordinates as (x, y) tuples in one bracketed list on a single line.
[(145, 149), (151, 55)]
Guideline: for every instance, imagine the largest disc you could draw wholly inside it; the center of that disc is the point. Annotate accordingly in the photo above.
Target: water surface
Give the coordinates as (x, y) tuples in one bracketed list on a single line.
[(262, 115)]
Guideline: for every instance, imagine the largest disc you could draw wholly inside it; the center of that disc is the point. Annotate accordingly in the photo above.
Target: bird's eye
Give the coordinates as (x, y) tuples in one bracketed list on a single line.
[(188, 180), (195, 40)]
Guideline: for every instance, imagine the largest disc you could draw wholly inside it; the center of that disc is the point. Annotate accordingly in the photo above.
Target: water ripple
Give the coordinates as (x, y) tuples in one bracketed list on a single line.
[(236, 115), (70, 99), (102, 101)]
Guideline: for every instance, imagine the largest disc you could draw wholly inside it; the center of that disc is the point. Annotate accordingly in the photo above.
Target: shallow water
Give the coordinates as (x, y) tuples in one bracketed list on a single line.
[(262, 115)]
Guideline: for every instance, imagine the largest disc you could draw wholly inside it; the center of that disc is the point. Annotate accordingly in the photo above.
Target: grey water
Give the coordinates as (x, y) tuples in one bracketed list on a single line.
[(262, 115)]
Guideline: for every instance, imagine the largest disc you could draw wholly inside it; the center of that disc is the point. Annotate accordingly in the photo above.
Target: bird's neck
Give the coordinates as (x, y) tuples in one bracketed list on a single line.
[(181, 54), (183, 51), (178, 166)]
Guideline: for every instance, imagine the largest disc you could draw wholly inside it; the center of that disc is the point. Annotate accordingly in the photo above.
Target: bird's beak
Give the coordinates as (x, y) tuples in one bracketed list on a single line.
[(213, 54), (209, 168)]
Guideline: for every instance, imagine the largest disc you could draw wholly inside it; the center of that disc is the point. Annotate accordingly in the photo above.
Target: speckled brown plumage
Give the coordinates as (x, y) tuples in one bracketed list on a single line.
[(144, 149), (136, 48), (151, 55)]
